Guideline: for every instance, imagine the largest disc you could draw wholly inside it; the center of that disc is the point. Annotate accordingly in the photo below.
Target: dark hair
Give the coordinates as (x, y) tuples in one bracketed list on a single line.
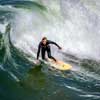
[(44, 38)]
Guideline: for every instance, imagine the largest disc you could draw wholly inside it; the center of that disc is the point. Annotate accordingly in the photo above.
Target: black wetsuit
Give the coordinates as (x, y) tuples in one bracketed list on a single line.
[(45, 48)]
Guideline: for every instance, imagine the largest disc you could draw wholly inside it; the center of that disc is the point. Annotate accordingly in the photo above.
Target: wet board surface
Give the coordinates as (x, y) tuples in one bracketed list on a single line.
[(60, 65)]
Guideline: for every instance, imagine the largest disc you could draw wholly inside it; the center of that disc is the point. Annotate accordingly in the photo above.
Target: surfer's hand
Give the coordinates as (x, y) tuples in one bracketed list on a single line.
[(60, 48)]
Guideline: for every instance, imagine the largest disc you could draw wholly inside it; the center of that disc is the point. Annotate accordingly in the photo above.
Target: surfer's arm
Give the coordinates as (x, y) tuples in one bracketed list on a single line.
[(51, 42), (38, 52)]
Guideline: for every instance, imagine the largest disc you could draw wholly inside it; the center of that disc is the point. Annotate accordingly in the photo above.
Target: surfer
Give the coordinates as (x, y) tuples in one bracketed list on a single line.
[(45, 47)]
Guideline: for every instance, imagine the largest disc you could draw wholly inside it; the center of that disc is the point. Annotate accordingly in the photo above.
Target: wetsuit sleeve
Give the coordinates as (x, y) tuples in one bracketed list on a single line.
[(51, 42), (38, 52)]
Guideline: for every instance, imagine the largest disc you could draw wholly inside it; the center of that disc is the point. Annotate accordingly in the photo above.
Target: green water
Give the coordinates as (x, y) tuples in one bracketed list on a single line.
[(20, 78)]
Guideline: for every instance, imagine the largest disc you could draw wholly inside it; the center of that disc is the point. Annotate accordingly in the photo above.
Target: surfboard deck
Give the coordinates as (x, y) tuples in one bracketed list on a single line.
[(60, 65)]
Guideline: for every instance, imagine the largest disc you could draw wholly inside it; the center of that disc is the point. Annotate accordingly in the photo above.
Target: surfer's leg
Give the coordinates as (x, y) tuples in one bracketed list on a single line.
[(49, 54), (43, 53)]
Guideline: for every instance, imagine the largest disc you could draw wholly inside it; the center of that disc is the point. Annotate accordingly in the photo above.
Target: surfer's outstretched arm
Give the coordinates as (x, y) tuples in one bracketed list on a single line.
[(38, 52), (51, 42)]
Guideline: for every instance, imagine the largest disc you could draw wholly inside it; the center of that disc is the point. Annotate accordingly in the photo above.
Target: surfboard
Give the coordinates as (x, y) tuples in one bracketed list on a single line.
[(60, 65)]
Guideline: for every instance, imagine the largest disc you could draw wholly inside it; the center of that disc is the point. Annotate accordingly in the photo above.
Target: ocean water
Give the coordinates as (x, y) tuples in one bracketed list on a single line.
[(73, 24)]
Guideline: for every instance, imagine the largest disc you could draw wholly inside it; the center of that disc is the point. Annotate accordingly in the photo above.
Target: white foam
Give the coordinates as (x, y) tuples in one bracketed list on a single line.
[(77, 29), (2, 28)]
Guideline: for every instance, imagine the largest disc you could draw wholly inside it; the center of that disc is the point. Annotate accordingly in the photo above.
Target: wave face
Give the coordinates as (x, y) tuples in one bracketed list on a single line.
[(73, 24)]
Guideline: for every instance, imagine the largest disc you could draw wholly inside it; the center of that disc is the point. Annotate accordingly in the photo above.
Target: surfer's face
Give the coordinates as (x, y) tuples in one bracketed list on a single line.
[(44, 41)]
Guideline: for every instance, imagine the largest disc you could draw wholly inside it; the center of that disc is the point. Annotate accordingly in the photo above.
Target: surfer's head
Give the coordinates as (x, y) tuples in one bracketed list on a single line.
[(44, 40)]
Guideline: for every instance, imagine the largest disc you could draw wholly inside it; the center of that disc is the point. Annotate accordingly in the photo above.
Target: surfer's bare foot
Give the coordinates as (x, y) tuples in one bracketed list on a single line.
[(37, 61), (55, 61)]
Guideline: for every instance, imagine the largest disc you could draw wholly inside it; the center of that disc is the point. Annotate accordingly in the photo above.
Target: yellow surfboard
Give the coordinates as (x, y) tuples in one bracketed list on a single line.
[(60, 65)]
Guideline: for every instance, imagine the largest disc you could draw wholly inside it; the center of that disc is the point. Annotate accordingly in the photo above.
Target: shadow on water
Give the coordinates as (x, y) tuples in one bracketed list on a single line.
[(34, 79)]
